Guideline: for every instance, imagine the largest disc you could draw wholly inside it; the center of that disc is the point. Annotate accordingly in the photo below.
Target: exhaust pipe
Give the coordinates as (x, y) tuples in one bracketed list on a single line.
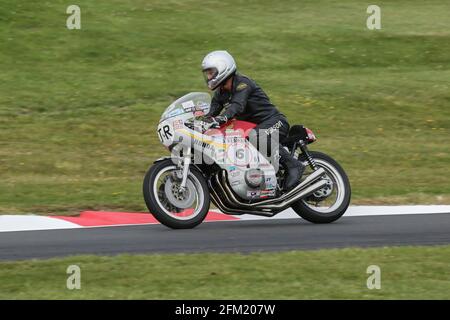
[(308, 186), (309, 179), (306, 192), (266, 211), (225, 209)]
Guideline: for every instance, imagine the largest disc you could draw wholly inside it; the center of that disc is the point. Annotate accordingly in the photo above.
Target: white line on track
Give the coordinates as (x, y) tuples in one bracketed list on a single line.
[(355, 211), (35, 222)]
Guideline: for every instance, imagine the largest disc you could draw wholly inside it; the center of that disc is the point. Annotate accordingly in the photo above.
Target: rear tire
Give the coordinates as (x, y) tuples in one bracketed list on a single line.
[(159, 212), (306, 212)]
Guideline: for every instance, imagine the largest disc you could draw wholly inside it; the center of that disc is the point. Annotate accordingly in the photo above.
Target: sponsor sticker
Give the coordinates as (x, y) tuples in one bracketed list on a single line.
[(270, 186), (175, 113), (188, 105), (178, 124), (253, 194), (267, 193), (235, 173)]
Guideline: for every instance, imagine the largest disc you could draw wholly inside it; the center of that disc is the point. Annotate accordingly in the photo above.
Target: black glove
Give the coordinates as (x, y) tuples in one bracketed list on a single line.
[(221, 119)]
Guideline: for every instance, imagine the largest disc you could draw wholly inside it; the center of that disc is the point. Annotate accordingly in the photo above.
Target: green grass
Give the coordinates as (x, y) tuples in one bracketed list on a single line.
[(406, 273), (79, 108)]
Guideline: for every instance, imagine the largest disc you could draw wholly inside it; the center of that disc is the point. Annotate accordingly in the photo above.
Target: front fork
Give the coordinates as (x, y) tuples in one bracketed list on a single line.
[(184, 166)]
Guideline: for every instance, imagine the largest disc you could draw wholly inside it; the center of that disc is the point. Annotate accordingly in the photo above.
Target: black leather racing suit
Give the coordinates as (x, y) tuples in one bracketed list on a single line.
[(248, 102)]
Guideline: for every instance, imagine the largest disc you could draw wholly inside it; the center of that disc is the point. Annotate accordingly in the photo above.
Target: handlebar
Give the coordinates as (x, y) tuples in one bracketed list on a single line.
[(202, 123)]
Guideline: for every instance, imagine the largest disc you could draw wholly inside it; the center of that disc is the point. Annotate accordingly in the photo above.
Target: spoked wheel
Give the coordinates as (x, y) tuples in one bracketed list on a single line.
[(330, 202), (171, 205)]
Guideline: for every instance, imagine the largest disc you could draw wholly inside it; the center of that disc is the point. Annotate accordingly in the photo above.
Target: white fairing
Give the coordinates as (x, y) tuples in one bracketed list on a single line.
[(231, 151)]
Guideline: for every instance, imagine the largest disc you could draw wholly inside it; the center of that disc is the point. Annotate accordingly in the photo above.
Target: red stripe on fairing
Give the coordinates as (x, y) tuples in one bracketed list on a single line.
[(105, 218)]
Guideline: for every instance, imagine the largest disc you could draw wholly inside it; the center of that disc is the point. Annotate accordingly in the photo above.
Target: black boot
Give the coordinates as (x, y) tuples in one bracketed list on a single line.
[(293, 169)]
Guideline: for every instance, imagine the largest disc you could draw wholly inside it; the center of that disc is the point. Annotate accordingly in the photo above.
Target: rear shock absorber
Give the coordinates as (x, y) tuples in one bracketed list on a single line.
[(309, 158)]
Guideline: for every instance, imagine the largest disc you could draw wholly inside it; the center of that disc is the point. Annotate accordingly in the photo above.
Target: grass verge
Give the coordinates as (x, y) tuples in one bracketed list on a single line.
[(406, 273), (79, 108)]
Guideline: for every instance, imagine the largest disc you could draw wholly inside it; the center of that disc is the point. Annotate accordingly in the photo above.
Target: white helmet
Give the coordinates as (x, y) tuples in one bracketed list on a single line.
[(222, 65)]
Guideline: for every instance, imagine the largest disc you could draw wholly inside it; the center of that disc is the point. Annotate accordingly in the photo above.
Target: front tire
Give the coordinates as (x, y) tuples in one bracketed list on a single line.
[(341, 184), (166, 211)]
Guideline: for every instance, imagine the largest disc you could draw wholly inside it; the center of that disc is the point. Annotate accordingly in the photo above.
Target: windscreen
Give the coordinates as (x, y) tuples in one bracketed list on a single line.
[(197, 103)]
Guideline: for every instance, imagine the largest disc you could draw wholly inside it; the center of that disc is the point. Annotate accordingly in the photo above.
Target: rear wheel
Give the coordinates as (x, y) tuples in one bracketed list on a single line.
[(173, 207), (330, 202)]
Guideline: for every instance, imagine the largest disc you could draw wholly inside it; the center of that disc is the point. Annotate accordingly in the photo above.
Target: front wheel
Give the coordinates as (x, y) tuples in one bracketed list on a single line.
[(330, 202), (173, 207)]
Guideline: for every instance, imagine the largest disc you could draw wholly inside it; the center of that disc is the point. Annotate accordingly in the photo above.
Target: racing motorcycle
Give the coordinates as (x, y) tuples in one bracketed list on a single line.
[(211, 163)]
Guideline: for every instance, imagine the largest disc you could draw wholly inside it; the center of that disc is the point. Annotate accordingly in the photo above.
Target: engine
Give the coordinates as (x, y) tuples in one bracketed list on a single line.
[(254, 178)]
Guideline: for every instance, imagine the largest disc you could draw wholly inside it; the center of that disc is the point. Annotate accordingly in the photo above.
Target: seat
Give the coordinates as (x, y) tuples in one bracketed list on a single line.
[(296, 133)]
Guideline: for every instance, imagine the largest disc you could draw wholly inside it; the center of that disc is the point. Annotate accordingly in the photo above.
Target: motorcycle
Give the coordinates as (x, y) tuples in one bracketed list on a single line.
[(211, 163)]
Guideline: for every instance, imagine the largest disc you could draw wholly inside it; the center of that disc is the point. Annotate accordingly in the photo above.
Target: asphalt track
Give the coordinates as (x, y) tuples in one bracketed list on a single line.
[(231, 236)]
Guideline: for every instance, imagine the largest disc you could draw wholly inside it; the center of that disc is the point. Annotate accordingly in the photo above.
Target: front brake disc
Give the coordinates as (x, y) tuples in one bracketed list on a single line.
[(180, 198)]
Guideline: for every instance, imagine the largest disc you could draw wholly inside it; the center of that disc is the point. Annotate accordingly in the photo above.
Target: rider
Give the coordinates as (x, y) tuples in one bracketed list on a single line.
[(244, 100)]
